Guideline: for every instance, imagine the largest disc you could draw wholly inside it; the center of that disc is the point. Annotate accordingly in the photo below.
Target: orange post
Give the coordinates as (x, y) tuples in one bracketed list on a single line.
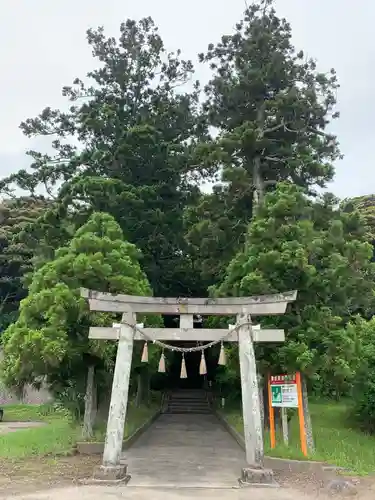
[(271, 413), (301, 415)]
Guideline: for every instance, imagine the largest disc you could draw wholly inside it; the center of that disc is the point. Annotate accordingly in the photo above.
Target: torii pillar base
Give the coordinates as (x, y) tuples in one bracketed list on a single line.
[(111, 474), (252, 476)]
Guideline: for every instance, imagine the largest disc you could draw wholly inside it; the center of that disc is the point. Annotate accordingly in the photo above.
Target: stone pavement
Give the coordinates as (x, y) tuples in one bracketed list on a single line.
[(6, 427), (185, 450), (134, 493)]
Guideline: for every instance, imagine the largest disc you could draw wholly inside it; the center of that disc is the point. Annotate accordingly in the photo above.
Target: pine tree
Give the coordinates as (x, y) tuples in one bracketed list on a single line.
[(50, 337)]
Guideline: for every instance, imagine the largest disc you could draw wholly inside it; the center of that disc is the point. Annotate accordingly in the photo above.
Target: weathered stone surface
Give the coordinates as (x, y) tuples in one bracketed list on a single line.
[(185, 450), (111, 473), (341, 487), (97, 492), (252, 422), (119, 396), (257, 477), (294, 466)]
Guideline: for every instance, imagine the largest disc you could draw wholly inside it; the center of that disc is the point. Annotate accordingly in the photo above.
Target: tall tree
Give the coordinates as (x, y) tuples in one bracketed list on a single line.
[(271, 108), (135, 132), (216, 225), (50, 337), (16, 256), (270, 103)]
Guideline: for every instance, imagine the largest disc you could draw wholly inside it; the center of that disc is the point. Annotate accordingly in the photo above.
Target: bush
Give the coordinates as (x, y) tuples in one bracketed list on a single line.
[(364, 401), (364, 384), (71, 402)]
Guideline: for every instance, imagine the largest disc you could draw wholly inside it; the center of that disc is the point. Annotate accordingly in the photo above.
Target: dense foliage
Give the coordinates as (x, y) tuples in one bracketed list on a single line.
[(291, 245), (16, 256), (129, 157), (49, 339), (364, 386)]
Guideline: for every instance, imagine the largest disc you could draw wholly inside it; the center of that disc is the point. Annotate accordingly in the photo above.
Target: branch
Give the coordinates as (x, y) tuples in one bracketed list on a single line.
[(303, 129), (319, 132), (310, 129), (4, 301), (48, 190), (273, 158), (276, 127)]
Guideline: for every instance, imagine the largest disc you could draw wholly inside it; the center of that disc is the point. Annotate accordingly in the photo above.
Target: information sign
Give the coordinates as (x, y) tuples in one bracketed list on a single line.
[(284, 393)]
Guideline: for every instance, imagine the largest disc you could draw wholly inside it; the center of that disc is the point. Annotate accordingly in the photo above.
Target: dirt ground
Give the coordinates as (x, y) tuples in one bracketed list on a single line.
[(28, 476), (59, 478)]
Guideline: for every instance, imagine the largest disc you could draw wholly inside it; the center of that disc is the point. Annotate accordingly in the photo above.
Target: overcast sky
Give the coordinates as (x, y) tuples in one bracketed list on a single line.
[(43, 47)]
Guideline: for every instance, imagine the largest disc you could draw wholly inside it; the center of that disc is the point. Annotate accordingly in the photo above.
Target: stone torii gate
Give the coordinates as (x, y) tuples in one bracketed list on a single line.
[(243, 333)]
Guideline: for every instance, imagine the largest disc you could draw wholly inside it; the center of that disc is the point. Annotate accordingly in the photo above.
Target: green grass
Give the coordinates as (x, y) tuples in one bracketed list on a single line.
[(28, 413), (136, 416), (336, 441), (57, 437), (60, 433)]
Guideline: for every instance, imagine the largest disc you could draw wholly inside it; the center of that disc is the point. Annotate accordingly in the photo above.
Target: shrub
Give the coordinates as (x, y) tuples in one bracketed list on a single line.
[(364, 384)]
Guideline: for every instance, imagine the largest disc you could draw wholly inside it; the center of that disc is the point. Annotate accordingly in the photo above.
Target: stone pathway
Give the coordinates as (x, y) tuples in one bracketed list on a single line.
[(6, 427), (185, 451), (131, 493)]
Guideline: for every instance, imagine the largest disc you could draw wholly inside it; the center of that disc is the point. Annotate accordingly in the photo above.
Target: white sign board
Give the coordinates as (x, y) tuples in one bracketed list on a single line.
[(284, 392)]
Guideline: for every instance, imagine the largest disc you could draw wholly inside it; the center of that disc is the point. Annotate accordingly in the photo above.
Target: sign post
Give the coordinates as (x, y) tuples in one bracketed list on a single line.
[(285, 391)]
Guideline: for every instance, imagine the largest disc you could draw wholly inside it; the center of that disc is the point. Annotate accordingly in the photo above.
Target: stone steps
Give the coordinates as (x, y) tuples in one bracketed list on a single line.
[(188, 401)]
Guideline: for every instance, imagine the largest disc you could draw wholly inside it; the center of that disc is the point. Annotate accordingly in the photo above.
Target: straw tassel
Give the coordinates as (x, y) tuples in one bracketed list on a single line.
[(202, 365), (144, 358), (222, 358), (183, 373), (161, 368)]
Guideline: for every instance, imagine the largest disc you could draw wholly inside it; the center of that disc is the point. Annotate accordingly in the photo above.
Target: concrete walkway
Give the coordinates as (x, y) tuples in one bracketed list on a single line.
[(6, 427), (185, 451), (129, 493)]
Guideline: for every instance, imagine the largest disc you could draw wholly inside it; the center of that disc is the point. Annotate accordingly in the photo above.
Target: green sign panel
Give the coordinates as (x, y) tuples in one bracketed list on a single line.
[(277, 397)]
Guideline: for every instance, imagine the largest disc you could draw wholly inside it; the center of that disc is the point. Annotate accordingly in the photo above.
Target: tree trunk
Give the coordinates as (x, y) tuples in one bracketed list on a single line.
[(90, 405), (139, 395), (306, 411), (259, 186), (285, 425), (261, 399), (266, 402), (147, 391), (94, 410), (257, 174)]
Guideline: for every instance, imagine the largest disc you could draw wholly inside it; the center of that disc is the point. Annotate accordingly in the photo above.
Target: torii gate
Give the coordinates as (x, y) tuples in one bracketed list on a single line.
[(242, 307)]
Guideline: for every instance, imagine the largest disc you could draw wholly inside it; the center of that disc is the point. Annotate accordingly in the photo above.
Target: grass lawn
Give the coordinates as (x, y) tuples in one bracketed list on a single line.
[(336, 441), (59, 435), (134, 419)]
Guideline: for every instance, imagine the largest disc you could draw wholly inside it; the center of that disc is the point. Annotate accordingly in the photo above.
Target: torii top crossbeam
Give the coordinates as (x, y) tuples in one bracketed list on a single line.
[(257, 305)]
